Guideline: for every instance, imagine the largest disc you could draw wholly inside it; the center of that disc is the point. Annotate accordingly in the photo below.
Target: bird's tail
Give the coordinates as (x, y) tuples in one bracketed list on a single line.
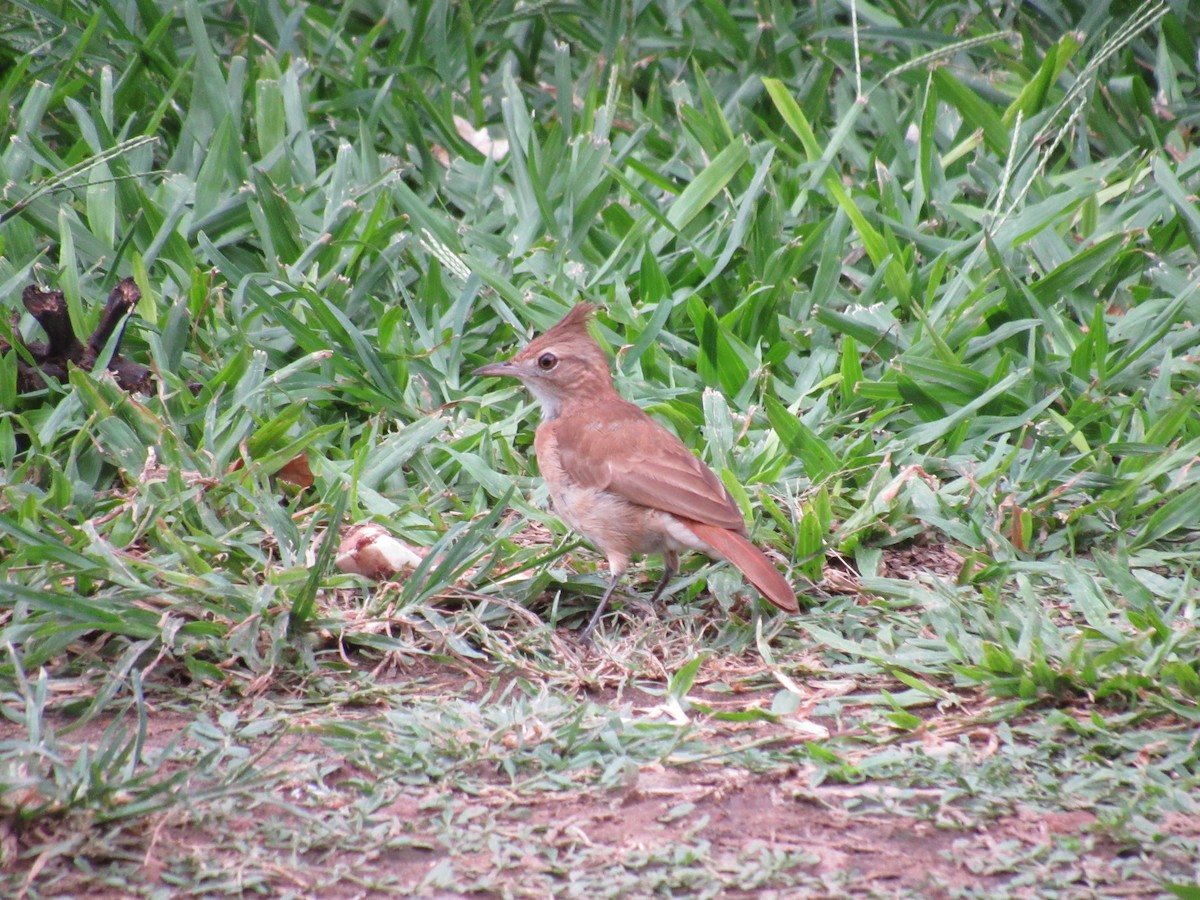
[(758, 570)]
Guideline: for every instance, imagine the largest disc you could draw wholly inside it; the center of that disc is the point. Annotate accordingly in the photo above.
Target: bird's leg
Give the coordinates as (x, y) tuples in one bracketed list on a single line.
[(585, 636), (645, 608), (670, 568)]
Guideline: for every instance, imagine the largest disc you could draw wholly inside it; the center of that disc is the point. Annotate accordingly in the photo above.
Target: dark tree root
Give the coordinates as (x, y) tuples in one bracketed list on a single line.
[(63, 349)]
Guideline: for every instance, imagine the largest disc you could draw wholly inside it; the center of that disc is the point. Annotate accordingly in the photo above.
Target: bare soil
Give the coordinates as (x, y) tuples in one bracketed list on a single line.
[(733, 813)]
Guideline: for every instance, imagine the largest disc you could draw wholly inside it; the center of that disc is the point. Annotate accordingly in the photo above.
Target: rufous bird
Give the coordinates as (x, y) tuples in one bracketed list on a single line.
[(618, 477)]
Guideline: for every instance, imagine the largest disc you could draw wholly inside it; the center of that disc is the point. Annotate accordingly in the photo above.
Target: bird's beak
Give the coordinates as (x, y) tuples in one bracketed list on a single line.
[(497, 368)]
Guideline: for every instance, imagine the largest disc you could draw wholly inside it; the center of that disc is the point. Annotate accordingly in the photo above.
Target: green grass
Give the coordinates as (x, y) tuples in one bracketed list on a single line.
[(919, 281)]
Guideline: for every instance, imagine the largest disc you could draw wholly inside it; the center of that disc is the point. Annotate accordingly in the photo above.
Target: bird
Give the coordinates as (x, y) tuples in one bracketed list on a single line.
[(619, 478)]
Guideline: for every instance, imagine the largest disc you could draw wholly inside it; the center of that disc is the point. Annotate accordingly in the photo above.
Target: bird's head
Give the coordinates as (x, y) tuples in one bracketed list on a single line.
[(564, 365)]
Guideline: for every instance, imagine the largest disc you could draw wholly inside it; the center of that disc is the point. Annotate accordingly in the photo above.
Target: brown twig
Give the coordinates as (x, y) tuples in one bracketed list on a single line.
[(63, 348)]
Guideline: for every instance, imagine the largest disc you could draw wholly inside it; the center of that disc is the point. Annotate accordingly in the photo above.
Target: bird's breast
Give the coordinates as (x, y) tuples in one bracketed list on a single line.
[(607, 519)]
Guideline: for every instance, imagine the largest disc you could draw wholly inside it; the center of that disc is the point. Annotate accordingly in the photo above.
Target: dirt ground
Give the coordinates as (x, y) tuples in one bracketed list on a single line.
[(278, 839), (291, 809)]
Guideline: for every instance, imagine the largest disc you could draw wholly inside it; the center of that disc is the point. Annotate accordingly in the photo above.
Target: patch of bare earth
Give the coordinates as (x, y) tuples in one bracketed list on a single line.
[(304, 828), (280, 836)]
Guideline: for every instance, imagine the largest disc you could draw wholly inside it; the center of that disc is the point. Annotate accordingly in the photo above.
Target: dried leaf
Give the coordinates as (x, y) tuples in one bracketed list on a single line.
[(297, 472), (372, 551), (495, 148)]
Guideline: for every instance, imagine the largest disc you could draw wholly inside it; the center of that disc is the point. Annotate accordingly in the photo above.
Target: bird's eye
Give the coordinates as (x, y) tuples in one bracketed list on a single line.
[(547, 361)]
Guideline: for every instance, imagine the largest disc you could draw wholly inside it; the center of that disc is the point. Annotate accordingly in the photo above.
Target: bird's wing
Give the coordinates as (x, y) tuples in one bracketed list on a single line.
[(630, 454)]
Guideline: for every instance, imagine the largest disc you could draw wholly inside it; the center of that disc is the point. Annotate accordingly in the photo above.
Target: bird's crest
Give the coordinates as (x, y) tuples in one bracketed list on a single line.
[(574, 322)]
